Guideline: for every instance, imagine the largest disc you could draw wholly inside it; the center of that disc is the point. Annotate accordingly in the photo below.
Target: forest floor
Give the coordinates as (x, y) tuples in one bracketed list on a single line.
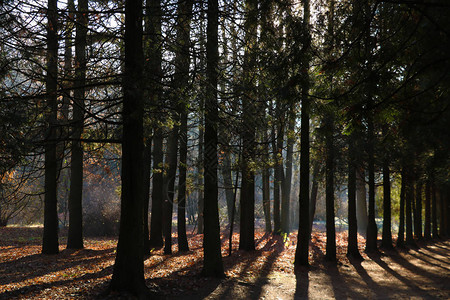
[(267, 273)]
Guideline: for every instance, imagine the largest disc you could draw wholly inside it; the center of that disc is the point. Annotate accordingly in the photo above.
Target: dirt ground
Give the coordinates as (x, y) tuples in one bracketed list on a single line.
[(267, 273), (415, 274)]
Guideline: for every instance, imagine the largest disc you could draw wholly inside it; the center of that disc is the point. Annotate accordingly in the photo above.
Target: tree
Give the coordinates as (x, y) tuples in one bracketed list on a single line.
[(386, 241), (176, 137), (247, 201), (434, 228), (352, 244), (302, 251), (418, 210), (329, 124), (75, 236), (372, 232), (50, 243), (277, 148), (401, 226), (171, 159), (212, 264), (427, 225), (181, 88), (409, 198), (329, 193), (286, 187), (153, 76), (128, 274)]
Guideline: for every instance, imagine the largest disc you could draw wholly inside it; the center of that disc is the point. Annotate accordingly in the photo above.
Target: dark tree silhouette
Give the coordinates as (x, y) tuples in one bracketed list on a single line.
[(212, 265), (50, 244), (75, 237), (128, 274)]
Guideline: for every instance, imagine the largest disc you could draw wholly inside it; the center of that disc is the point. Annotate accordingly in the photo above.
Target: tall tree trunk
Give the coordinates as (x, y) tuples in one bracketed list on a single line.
[(225, 136), (361, 201), (266, 199), (442, 218), (314, 192), (277, 146), (228, 181), (302, 251), (352, 244), (266, 186), (75, 236), (247, 201), (169, 184), (181, 216), (50, 243), (447, 209), (434, 210), (418, 210), (401, 226), (152, 73), (212, 263), (372, 230), (201, 198), (128, 274), (181, 77), (386, 241), (180, 84), (267, 29), (286, 188), (68, 64), (153, 82), (427, 225), (156, 225), (63, 113), (201, 129), (329, 193), (147, 161), (409, 198)]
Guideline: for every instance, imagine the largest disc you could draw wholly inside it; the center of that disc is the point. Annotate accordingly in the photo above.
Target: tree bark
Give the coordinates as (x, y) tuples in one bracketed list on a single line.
[(314, 192), (329, 190), (352, 244), (169, 185), (434, 210), (156, 237), (442, 227), (418, 215), (128, 274), (201, 132), (153, 82), (201, 198), (372, 230), (50, 244), (247, 201), (361, 201), (228, 181), (212, 263), (427, 225), (302, 250), (286, 188), (266, 187), (401, 226), (181, 77), (386, 241), (75, 235), (277, 146), (409, 198), (147, 161), (181, 213)]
